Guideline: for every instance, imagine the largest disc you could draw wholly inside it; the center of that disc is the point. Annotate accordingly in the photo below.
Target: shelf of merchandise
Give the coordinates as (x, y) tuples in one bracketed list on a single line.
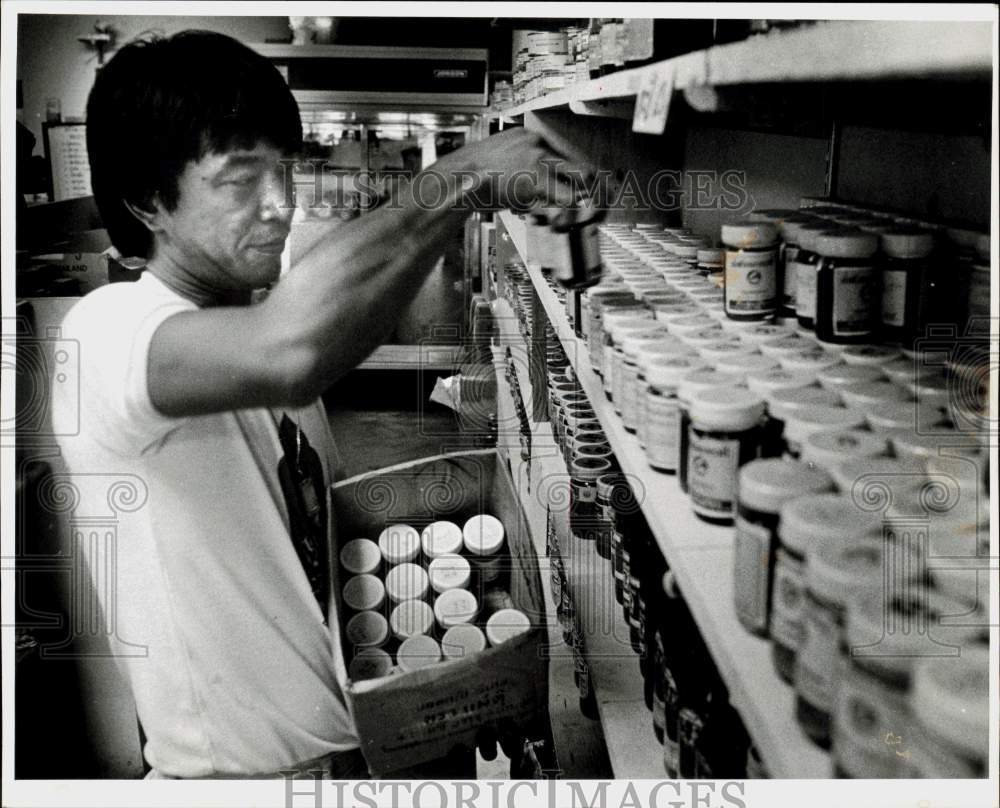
[(701, 556), (824, 51)]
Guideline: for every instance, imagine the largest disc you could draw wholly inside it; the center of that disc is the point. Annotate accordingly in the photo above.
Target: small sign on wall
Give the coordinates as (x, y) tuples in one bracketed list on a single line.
[(69, 167)]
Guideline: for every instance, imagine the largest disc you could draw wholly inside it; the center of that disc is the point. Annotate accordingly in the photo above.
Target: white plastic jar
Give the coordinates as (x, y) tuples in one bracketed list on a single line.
[(505, 624), (868, 395), (764, 486), (766, 382), (805, 422), (751, 273), (406, 582), (399, 544), (360, 557), (484, 539), (811, 360), (449, 571), (788, 345), (873, 355), (441, 538), (419, 651), (411, 618), (840, 374), (660, 414), (455, 606), (462, 641), (782, 404), (691, 383), (828, 448)]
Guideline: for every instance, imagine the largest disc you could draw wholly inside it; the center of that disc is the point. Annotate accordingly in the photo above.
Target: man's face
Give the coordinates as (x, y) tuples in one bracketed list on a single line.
[(231, 220)]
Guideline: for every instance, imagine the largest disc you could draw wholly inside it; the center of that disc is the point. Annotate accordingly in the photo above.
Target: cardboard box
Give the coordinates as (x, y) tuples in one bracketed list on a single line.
[(412, 718)]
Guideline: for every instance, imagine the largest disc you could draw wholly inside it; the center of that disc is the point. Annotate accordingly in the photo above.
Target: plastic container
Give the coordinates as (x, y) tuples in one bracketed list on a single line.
[(411, 618), (788, 345), (417, 652), (361, 557), (875, 478), (848, 285), (399, 544), (584, 473), (829, 448), (462, 641), (455, 606), (869, 395), (506, 624), (908, 284), (784, 402), (836, 376), (811, 360), (710, 261), (484, 540), (661, 412), (805, 524), (745, 364), (449, 571), (789, 228), (691, 383), (440, 538), (764, 486), (369, 663), (751, 274), (866, 354), (725, 434), (363, 592), (406, 582), (367, 630), (800, 425), (804, 267), (758, 333), (766, 382)]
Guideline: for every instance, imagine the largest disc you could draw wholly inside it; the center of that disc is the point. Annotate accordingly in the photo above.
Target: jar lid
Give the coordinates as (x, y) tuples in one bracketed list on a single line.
[(903, 371), (711, 255), (406, 582), (840, 572), (765, 485), (632, 341), (761, 332), (417, 652), (449, 571), (878, 473), (366, 629), (708, 336), (363, 592), (842, 374), (765, 382), (791, 227), (455, 606), (484, 534), (775, 215), (828, 447), (692, 323), (814, 519), (801, 424), (907, 243), (627, 315), (704, 379), (441, 537), (399, 543), (951, 699), (746, 363), (462, 641), (589, 468), (847, 244), (622, 331), (725, 349), (962, 238), (869, 354), (505, 624), (809, 359), (892, 636), (868, 394), (606, 484), (726, 409), (786, 345), (689, 252), (665, 373), (749, 235), (360, 556), (369, 663), (674, 311), (411, 618), (784, 402)]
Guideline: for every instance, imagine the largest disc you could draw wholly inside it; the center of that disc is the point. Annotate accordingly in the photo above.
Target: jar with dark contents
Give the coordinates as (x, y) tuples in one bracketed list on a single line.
[(789, 229), (583, 517), (764, 486), (691, 383), (783, 403), (711, 263), (909, 285), (848, 287), (619, 304), (804, 267), (626, 507), (751, 275), (576, 261), (605, 517), (725, 435)]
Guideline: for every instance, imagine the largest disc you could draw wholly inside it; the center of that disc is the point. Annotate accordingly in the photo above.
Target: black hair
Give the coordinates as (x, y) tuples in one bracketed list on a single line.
[(161, 103)]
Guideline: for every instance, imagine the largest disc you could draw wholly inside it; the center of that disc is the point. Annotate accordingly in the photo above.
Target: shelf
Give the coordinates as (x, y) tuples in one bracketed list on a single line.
[(701, 555), (827, 51)]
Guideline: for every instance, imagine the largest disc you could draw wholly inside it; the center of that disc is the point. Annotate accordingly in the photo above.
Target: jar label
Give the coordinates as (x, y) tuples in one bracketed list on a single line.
[(870, 726), (894, 298), (788, 600), (618, 554), (712, 466), (817, 656), (662, 431), (751, 573), (751, 281), (805, 287), (855, 297)]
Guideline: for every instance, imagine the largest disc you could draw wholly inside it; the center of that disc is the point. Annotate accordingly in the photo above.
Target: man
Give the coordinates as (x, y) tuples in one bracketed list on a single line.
[(211, 402)]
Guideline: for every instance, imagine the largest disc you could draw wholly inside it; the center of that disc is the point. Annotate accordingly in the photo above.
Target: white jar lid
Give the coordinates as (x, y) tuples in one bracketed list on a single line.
[(711, 255), (814, 519), (399, 543), (726, 409), (775, 215), (791, 227), (410, 618), (589, 468), (966, 470), (462, 641), (455, 606), (841, 375), (484, 535), (879, 472), (666, 314), (907, 243), (803, 423), (621, 332), (693, 323), (951, 700), (809, 234), (749, 235), (840, 572), (367, 629), (921, 446), (651, 343), (902, 370), (417, 652), (666, 372), (765, 382), (631, 315), (809, 359), (828, 447), (787, 345), (688, 252), (369, 663), (441, 537), (868, 394), (505, 624), (406, 582), (746, 363), (761, 332), (784, 402), (363, 592), (360, 556), (892, 415), (708, 336), (847, 244), (693, 381), (764, 485), (877, 355), (724, 349)]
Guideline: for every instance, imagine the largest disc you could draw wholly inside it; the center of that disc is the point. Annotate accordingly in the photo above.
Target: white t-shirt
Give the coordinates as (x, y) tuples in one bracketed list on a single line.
[(213, 618)]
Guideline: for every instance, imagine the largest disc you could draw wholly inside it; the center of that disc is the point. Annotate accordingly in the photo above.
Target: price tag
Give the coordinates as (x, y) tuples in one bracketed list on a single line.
[(653, 100)]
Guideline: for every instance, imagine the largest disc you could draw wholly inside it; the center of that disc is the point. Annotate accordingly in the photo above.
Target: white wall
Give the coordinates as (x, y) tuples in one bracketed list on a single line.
[(51, 63)]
